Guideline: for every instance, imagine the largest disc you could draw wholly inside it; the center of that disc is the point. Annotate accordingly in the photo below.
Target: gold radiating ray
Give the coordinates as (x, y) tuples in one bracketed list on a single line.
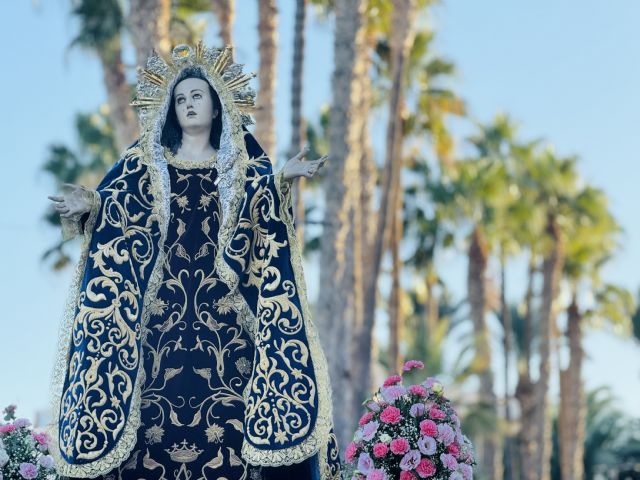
[(199, 51), (240, 81), (222, 61), (152, 77), (145, 102)]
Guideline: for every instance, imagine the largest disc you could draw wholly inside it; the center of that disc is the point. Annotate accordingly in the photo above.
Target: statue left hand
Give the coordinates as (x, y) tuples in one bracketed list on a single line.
[(297, 167)]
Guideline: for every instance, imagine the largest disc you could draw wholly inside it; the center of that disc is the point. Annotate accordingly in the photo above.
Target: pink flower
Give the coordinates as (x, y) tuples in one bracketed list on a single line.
[(449, 461), (376, 474), (399, 446), (429, 428), (391, 415), (418, 390), (426, 468), (350, 452), (436, 413), (392, 380), (41, 437), (407, 476), (28, 470), (366, 418), (454, 449), (411, 364), (380, 450), (8, 428)]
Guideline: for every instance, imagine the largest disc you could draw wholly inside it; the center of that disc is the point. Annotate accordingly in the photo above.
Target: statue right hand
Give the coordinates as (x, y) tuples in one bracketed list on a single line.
[(75, 202)]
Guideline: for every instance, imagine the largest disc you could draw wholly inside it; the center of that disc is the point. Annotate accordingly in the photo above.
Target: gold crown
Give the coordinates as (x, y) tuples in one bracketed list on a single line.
[(157, 79)]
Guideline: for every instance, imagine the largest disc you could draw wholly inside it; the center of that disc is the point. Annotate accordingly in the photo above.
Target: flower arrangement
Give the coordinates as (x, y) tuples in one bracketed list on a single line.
[(24, 453), (409, 433)]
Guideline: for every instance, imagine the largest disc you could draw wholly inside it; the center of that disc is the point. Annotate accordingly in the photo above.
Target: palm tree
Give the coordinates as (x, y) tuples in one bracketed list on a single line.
[(149, 22), (297, 123), (268, 48), (225, 11), (336, 323), (101, 25)]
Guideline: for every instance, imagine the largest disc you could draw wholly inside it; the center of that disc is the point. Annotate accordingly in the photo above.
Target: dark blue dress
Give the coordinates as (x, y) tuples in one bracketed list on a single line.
[(197, 355)]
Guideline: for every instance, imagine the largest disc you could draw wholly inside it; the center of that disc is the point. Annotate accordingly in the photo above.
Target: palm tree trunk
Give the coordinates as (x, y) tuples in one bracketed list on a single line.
[(366, 350), (338, 283), (224, 10), (395, 314), (297, 123), (149, 22), (571, 418), (118, 96), (491, 460), (265, 114), (507, 349), (525, 390), (403, 18), (551, 269)]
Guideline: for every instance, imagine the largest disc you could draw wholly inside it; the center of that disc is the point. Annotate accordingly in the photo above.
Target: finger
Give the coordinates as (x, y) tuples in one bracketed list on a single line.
[(55, 198), (303, 153), (70, 185)]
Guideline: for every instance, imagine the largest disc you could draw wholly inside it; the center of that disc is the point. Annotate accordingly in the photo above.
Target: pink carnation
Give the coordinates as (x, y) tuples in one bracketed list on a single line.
[(380, 450), (411, 364), (454, 449), (392, 380), (426, 468), (407, 476), (429, 428), (8, 428), (391, 415), (418, 390), (436, 413), (41, 437), (366, 418), (350, 452), (399, 446)]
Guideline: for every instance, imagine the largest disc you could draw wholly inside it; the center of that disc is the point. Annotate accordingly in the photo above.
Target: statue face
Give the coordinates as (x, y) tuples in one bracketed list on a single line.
[(193, 104)]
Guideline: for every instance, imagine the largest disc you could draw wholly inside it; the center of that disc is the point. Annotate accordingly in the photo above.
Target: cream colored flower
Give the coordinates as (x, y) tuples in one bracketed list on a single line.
[(214, 433)]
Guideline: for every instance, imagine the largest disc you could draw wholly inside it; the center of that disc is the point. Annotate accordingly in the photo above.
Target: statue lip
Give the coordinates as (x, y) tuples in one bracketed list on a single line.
[(191, 112)]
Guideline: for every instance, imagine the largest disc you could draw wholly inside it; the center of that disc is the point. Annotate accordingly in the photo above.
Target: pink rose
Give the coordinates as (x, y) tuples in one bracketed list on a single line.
[(429, 428), (399, 446), (418, 390), (411, 364), (436, 413), (391, 415), (366, 418), (407, 476), (350, 452), (426, 468), (380, 450), (8, 428), (392, 380)]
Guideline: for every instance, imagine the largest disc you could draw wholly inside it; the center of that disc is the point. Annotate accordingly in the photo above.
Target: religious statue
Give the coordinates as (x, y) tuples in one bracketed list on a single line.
[(187, 349)]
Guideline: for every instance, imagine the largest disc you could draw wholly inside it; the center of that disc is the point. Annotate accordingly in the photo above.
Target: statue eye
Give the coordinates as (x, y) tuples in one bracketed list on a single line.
[(197, 95), (180, 100)]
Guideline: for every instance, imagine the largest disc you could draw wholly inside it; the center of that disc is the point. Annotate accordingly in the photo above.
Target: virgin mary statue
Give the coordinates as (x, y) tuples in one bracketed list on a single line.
[(187, 350)]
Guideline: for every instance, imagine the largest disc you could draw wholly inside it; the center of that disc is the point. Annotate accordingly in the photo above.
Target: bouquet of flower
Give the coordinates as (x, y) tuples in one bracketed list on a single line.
[(409, 433), (24, 453)]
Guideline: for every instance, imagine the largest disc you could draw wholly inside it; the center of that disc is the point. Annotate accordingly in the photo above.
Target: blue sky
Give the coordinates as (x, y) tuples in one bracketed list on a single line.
[(566, 71)]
